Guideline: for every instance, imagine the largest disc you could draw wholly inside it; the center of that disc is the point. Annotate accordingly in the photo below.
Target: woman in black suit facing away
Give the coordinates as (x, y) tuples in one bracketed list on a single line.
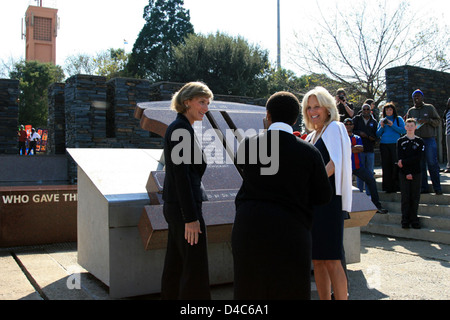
[(271, 237), (185, 275)]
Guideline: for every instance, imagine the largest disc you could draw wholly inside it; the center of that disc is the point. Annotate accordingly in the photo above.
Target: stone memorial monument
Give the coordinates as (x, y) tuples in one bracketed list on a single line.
[(227, 123)]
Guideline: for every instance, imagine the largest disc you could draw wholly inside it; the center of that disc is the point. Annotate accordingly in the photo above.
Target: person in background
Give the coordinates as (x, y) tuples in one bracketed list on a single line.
[(373, 109), (186, 272), (427, 121), (344, 107), (33, 140), (330, 137), (22, 140), (410, 149), (358, 168), (390, 128), (366, 126), (446, 118)]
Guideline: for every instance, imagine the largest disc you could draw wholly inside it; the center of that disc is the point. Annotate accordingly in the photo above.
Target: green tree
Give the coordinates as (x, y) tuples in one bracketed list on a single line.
[(34, 78), (228, 65), (167, 24), (285, 80), (79, 64), (111, 63)]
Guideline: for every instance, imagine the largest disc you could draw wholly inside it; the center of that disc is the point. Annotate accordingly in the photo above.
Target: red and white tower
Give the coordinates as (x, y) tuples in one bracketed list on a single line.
[(41, 30)]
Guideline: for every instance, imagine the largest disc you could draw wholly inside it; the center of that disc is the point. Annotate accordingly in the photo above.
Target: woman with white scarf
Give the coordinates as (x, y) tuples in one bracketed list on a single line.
[(321, 117)]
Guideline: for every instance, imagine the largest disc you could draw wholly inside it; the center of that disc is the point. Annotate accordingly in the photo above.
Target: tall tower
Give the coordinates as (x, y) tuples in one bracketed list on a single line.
[(41, 30)]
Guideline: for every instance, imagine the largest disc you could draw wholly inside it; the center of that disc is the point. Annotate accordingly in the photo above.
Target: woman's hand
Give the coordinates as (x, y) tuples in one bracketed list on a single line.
[(191, 232)]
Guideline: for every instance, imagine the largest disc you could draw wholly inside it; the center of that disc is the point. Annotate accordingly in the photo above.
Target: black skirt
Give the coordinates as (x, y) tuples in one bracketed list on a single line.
[(328, 222)]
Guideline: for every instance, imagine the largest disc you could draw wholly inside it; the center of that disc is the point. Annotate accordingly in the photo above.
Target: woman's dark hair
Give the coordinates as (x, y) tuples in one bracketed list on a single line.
[(392, 106), (283, 107)]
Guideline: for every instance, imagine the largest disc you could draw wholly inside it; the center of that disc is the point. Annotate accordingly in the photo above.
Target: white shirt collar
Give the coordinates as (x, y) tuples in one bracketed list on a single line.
[(282, 127)]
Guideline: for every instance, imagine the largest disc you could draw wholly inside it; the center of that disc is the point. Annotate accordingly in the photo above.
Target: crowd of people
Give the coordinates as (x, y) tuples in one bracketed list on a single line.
[(293, 218)]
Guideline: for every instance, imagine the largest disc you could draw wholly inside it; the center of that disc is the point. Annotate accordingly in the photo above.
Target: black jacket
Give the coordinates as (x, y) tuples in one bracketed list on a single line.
[(370, 129), (410, 151), (185, 166), (300, 182)]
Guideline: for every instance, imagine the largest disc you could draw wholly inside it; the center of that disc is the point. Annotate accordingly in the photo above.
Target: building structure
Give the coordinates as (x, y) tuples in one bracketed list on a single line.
[(41, 30)]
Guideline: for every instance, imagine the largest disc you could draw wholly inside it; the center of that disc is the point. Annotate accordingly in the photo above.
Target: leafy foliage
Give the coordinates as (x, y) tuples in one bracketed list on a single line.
[(34, 78), (167, 24), (228, 65)]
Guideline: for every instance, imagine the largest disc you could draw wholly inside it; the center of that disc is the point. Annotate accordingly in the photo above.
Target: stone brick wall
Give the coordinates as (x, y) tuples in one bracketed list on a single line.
[(85, 111), (57, 119), (9, 113), (89, 112), (123, 130), (402, 81)]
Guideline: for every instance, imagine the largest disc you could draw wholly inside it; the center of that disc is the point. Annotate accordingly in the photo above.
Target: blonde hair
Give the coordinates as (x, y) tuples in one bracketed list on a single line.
[(325, 100), (411, 120), (187, 92)]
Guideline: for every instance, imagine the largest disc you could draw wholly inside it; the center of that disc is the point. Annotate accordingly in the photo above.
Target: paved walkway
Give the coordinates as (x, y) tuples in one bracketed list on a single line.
[(390, 269)]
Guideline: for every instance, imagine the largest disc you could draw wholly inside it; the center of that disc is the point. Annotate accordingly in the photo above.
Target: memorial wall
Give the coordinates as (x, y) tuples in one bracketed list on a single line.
[(90, 112), (9, 114)]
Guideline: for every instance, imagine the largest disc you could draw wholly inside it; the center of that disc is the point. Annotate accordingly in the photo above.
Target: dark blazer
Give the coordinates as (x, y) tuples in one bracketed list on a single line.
[(271, 237), (300, 183), (370, 129), (182, 183)]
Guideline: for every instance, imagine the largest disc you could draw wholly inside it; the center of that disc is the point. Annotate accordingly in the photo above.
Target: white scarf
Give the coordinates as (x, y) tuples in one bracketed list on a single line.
[(338, 145)]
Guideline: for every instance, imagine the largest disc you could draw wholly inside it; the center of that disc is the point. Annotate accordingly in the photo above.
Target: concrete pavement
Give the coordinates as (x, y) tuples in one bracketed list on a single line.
[(390, 269)]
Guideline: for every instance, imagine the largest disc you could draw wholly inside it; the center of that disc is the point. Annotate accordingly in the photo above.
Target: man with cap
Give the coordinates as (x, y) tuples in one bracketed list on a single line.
[(427, 121)]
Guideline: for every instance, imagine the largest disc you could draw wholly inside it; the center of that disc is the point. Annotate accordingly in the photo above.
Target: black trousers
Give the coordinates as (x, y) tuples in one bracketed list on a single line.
[(185, 274), (365, 175), (389, 159), (22, 148), (32, 146), (271, 253), (410, 191)]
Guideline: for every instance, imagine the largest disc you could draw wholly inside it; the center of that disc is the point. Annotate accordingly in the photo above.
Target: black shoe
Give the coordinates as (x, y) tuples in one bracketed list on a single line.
[(382, 210), (416, 226), (439, 192), (405, 225)]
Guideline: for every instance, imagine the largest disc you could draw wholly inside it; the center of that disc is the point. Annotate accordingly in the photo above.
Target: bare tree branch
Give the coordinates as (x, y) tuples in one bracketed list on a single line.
[(356, 45)]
